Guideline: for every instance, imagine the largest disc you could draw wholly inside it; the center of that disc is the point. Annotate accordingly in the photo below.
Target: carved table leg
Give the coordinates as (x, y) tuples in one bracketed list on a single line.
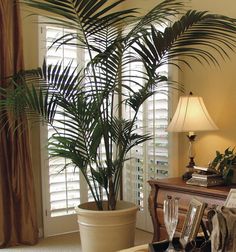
[(152, 205)]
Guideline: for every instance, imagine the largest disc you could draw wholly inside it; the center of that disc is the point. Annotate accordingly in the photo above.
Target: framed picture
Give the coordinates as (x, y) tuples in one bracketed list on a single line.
[(192, 221), (231, 199)]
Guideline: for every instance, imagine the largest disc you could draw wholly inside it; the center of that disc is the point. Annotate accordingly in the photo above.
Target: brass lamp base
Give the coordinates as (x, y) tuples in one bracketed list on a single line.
[(191, 163), (190, 169), (187, 175)]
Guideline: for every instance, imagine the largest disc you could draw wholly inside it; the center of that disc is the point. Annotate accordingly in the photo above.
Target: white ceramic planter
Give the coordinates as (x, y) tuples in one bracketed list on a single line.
[(106, 231)]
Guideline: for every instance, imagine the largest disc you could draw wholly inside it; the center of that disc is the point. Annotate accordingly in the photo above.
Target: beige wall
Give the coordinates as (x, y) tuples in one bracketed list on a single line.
[(143, 5), (218, 89), (217, 86)]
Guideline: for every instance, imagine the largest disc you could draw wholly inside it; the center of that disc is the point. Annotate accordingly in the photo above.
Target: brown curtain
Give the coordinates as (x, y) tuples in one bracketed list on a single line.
[(18, 221)]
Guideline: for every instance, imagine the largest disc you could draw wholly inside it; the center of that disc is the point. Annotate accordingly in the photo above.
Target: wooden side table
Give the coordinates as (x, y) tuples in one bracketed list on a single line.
[(176, 187)]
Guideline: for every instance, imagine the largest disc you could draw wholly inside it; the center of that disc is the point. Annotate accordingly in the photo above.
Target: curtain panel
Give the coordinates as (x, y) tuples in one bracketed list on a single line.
[(18, 220)]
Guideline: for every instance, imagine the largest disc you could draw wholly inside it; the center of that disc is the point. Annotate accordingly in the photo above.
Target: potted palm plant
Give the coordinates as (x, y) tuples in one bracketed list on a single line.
[(90, 98)]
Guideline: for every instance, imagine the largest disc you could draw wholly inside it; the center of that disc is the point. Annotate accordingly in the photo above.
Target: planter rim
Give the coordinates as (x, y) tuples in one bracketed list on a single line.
[(127, 207)]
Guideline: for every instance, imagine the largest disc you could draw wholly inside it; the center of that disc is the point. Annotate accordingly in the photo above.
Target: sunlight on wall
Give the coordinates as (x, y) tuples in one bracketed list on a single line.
[(217, 86)]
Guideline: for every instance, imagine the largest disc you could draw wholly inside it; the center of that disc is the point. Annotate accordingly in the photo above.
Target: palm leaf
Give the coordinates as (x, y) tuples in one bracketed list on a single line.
[(161, 14), (87, 17), (192, 37)]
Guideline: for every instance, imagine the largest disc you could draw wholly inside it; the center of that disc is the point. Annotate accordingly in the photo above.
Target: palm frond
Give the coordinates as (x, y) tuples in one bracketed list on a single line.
[(160, 15), (89, 18), (193, 36)]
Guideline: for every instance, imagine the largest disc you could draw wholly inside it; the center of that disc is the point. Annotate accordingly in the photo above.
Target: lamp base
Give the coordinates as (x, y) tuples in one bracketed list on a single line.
[(191, 163), (188, 174), (190, 169)]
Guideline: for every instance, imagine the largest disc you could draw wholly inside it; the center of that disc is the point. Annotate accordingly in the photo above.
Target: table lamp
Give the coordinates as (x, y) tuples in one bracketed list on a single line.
[(190, 116)]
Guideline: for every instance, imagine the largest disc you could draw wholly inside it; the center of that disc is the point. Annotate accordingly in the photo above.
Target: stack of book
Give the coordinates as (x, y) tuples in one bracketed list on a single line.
[(204, 176)]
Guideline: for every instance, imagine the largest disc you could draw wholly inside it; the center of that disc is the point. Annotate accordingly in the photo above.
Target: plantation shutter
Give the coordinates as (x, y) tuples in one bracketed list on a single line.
[(68, 188), (64, 186), (150, 159)]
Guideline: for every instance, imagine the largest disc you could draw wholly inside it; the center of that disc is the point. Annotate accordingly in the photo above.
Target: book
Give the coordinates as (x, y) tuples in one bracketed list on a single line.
[(213, 181), (202, 168), (205, 176), (205, 169)]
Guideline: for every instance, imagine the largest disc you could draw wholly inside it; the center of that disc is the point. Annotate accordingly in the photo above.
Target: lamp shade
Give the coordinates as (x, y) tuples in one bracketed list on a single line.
[(191, 115)]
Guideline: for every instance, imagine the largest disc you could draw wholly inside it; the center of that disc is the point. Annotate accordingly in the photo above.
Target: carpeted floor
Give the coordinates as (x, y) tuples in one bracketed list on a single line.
[(70, 243)]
